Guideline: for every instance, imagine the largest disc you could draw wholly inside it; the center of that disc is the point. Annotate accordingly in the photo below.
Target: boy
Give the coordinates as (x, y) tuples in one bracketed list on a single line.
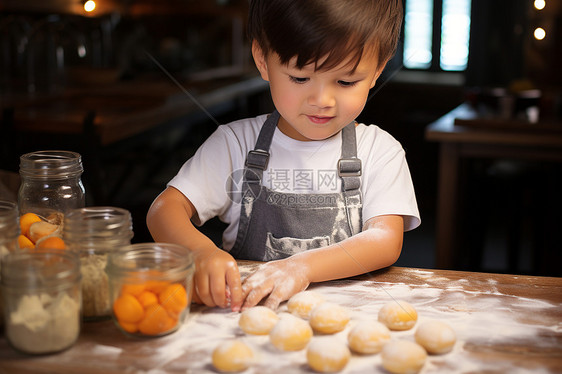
[(322, 197)]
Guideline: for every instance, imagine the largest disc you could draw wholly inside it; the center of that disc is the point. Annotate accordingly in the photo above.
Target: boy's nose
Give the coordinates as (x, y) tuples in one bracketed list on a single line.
[(322, 97)]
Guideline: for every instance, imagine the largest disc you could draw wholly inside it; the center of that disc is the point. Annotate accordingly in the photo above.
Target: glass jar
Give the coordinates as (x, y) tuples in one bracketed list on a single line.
[(150, 287), (93, 233), (50, 182), (9, 232), (9, 226), (41, 292)]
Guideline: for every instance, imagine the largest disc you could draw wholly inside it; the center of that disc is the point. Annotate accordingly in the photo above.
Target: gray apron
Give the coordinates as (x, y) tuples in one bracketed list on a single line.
[(275, 225)]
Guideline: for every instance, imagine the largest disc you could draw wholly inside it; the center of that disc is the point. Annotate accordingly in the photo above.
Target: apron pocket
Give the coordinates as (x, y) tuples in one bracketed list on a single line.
[(279, 248)]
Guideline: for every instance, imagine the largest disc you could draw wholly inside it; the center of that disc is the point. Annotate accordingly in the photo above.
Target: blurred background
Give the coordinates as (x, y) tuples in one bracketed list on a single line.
[(136, 86)]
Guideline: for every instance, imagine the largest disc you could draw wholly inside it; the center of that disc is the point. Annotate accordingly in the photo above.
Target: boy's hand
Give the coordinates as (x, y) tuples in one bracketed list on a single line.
[(217, 276), (279, 279)]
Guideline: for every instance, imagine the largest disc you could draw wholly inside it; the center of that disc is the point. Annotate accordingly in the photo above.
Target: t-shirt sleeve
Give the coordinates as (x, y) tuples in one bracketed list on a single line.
[(205, 179), (387, 184)]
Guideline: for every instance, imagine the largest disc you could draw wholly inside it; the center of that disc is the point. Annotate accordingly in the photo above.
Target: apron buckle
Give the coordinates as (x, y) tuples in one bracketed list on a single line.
[(349, 167), (257, 159)]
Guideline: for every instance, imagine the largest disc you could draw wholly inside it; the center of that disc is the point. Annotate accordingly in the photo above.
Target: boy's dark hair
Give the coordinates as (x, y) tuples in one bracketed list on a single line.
[(336, 29)]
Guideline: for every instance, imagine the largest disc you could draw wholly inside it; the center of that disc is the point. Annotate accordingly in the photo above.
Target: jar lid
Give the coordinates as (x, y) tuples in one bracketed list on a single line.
[(40, 269), (51, 164)]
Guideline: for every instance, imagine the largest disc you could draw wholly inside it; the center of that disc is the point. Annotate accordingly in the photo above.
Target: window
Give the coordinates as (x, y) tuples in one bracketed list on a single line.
[(441, 45), (418, 26)]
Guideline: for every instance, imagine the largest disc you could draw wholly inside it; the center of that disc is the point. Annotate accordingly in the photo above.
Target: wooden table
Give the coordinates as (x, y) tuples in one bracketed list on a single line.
[(463, 134), (503, 323)]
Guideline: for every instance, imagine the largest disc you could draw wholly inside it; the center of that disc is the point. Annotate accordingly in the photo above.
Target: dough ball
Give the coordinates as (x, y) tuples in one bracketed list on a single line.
[(258, 320), (232, 356), (302, 303), (368, 337), (327, 355), (329, 318), (290, 333), (398, 315), (403, 357), (436, 337)]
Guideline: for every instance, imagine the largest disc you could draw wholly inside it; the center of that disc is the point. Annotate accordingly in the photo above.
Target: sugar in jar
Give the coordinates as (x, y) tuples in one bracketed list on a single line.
[(42, 298), (93, 233), (151, 287)]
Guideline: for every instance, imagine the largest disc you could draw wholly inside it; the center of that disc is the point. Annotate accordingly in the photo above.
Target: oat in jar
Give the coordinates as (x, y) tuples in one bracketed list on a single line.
[(93, 233)]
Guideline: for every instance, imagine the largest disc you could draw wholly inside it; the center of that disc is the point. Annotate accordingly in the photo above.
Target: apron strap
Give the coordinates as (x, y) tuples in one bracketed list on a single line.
[(349, 166), (258, 158), (349, 170)]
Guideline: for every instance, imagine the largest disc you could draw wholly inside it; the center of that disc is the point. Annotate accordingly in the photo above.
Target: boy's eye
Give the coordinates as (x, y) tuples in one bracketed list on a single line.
[(298, 80), (347, 84)]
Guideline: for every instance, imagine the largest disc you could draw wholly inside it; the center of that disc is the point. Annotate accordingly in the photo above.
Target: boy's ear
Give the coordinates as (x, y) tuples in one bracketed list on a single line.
[(259, 59), (374, 81), (377, 74)]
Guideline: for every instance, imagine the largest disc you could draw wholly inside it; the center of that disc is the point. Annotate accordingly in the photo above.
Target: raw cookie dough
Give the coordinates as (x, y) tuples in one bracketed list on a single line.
[(232, 356), (302, 303), (258, 320), (368, 337), (436, 337), (403, 357), (398, 315), (327, 355), (290, 333), (329, 318)]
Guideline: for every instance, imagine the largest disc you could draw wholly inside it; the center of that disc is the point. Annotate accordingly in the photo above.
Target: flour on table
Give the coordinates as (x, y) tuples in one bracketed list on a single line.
[(106, 350), (247, 269)]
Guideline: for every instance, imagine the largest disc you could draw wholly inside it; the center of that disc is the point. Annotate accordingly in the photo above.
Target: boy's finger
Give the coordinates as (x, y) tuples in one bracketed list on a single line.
[(235, 288), (252, 299), (272, 301), (251, 283), (245, 289), (255, 295), (195, 295), (202, 289), (217, 289)]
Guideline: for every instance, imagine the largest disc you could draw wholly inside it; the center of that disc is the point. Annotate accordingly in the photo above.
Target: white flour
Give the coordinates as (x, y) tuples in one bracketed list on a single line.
[(42, 324)]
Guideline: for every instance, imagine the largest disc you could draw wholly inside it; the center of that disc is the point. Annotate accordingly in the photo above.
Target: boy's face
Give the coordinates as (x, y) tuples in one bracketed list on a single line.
[(314, 105)]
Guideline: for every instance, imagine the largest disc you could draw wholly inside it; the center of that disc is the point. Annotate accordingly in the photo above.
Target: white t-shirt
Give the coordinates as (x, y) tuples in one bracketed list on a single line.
[(212, 177)]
